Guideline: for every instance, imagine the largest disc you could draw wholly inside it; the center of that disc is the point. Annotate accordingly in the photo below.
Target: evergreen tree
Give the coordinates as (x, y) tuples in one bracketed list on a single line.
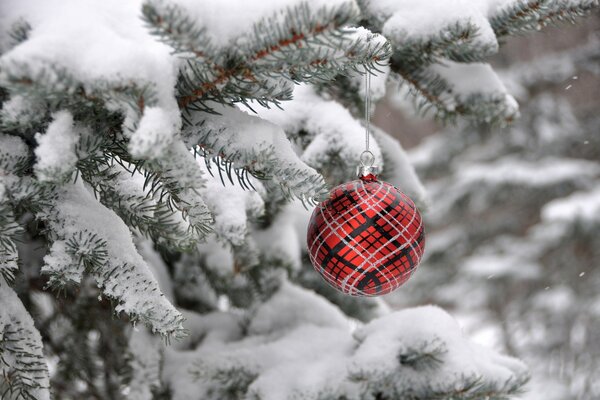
[(514, 226), (154, 163)]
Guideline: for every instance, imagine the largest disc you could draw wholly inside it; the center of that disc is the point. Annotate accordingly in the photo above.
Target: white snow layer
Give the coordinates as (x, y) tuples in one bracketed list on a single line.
[(413, 22), (310, 351), (230, 22), (145, 357), (441, 12), (261, 145), (55, 153), (470, 78), (19, 363), (12, 150), (124, 276), (501, 266), (334, 128), (231, 206), (279, 243), (107, 43), (409, 19), (581, 206), (539, 173), (398, 169), (98, 43), (155, 132)]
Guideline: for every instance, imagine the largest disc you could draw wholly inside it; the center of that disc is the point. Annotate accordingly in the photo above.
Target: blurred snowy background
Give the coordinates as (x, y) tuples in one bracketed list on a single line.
[(514, 224), (102, 202)]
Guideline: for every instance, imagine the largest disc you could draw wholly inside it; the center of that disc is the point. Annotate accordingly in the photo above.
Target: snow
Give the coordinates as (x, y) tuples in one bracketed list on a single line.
[(543, 172), (558, 299), (145, 358), (302, 307), (125, 275), (55, 153), (333, 128), (231, 206), (298, 344), (214, 328), (258, 144), (494, 266), (217, 257), (21, 110), (398, 169), (429, 149), (22, 355), (438, 9), (409, 329), (279, 243), (583, 206), (414, 19), (130, 188), (471, 78), (230, 23), (159, 269), (155, 132), (12, 151), (60, 265), (99, 43)]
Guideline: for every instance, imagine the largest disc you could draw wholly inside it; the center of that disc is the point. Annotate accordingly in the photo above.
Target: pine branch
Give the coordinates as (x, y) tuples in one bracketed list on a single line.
[(531, 15), (387, 386), (60, 90), (433, 94), (10, 232), (560, 13), (23, 369), (250, 144), (179, 177), (175, 28), (171, 184), (228, 383), (299, 45), (88, 238), (519, 17), (145, 358), (457, 42), (122, 189), (15, 156), (14, 160), (19, 32)]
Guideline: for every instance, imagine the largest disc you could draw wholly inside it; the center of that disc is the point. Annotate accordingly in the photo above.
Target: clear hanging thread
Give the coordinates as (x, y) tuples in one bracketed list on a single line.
[(367, 109), (367, 158)]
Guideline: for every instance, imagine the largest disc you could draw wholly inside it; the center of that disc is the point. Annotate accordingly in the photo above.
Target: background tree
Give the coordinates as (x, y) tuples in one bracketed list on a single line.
[(154, 159), (513, 238)]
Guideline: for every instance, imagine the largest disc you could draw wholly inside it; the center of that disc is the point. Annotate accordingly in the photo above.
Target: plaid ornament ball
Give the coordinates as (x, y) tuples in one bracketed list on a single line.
[(367, 238)]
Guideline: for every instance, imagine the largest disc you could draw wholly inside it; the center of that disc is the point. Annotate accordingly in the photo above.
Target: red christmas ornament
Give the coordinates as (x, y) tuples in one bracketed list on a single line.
[(367, 238)]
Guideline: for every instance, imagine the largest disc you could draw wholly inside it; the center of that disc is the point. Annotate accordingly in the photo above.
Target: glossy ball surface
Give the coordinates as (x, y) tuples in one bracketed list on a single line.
[(367, 238)]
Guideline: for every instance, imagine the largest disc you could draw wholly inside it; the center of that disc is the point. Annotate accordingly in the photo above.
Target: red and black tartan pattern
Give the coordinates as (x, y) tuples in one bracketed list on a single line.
[(367, 238)]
